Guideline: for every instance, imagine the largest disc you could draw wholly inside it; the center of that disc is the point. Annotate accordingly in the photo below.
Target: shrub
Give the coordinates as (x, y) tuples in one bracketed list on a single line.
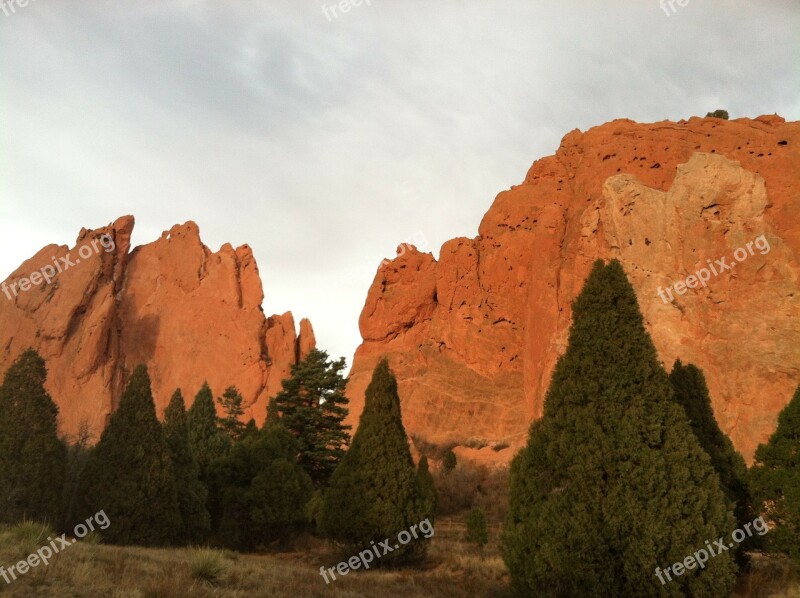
[(476, 528), (469, 486), (207, 566), (28, 536), (449, 460), (723, 114)]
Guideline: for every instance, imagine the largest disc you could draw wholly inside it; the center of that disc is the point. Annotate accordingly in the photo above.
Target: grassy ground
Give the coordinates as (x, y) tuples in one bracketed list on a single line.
[(453, 569)]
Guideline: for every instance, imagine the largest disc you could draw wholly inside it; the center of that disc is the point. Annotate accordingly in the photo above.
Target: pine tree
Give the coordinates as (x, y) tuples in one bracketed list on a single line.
[(192, 493), (428, 488), (265, 489), (374, 493), (776, 482), (313, 407), (612, 483), (692, 394), (209, 446), (231, 403), (130, 475), (32, 457)]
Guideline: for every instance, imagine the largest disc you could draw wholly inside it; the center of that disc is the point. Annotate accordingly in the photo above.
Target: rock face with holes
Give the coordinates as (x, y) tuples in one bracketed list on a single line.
[(473, 337), (187, 313)]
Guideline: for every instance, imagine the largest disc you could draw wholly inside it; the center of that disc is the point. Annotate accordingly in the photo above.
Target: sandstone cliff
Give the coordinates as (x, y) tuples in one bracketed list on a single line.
[(474, 336), (188, 313)]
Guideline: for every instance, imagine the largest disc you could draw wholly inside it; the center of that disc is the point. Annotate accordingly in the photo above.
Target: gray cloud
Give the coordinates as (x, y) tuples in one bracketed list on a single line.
[(325, 144)]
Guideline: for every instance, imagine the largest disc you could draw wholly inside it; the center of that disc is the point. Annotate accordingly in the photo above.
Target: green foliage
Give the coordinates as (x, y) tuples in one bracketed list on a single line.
[(449, 460), (692, 394), (250, 428), (718, 114), (192, 493), (313, 407), (612, 483), (265, 489), (374, 492), (776, 482), (130, 474), (209, 446), (314, 507), (26, 537), (231, 403), (78, 453), (477, 531), (428, 488), (32, 457), (207, 566), (205, 439)]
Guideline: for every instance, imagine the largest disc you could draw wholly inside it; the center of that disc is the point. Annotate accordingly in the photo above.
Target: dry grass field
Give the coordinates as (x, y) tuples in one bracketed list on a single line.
[(454, 569)]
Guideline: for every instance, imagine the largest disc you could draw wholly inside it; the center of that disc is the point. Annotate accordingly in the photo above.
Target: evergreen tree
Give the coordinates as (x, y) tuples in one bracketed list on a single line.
[(78, 452), (192, 493), (265, 489), (231, 403), (428, 488), (206, 440), (32, 457), (612, 486), (692, 394), (477, 530), (130, 473), (250, 429), (209, 446), (776, 482), (313, 407), (374, 493)]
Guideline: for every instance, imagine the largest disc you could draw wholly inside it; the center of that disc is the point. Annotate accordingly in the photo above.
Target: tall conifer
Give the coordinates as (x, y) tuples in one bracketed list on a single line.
[(313, 406), (691, 393), (776, 482), (130, 474), (612, 483), (32, 457), (374, 493), (209, 446), (192, 493)]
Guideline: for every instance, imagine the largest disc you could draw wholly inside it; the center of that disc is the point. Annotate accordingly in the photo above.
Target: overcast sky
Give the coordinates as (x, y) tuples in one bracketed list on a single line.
[(324, 142)]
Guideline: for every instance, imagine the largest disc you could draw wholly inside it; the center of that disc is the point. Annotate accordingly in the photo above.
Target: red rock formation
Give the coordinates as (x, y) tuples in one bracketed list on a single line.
[(189, 314), (474, 337)]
